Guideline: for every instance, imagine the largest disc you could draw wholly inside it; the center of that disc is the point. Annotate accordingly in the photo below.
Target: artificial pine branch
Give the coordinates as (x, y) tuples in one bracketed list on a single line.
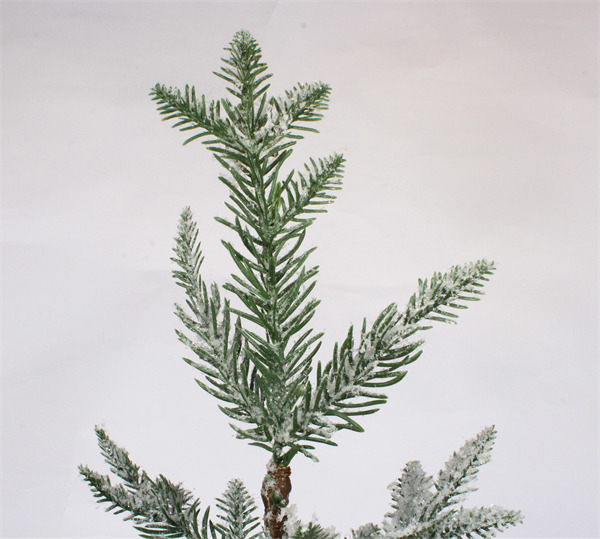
[(238, 520), (219, 342), (422, 508), (453, 482), (271, 215), (351, 383), (255, 350), (313, 530), (156, 507), (296, 529), (411, 495)]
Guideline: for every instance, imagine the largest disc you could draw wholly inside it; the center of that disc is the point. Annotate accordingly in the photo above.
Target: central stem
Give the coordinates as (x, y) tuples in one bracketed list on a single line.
[(275, 495)]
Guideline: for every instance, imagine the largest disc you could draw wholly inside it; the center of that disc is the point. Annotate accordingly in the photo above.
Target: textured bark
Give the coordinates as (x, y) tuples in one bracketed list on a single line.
[(275, 495)]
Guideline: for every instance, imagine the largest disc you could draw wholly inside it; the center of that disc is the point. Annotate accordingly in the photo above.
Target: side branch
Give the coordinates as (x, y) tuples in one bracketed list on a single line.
[(156, 507), (219, 343), (351, 384)]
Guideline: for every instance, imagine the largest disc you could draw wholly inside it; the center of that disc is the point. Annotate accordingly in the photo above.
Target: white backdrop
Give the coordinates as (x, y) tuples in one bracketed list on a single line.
[(470, 130)]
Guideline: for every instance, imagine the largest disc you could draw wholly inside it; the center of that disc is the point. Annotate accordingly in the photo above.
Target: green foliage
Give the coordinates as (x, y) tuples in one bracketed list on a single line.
[(367, 531), (259, 371), (312, 530), (237, 513), (258, 358), (157, 508), (424, 508), (255, 350)]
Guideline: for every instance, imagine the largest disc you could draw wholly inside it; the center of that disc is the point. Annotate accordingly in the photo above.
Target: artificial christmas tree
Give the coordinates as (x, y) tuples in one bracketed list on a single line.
[(258, 357)]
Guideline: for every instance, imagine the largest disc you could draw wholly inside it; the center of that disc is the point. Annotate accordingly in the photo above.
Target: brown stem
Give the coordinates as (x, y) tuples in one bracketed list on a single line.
[(275, 495)]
